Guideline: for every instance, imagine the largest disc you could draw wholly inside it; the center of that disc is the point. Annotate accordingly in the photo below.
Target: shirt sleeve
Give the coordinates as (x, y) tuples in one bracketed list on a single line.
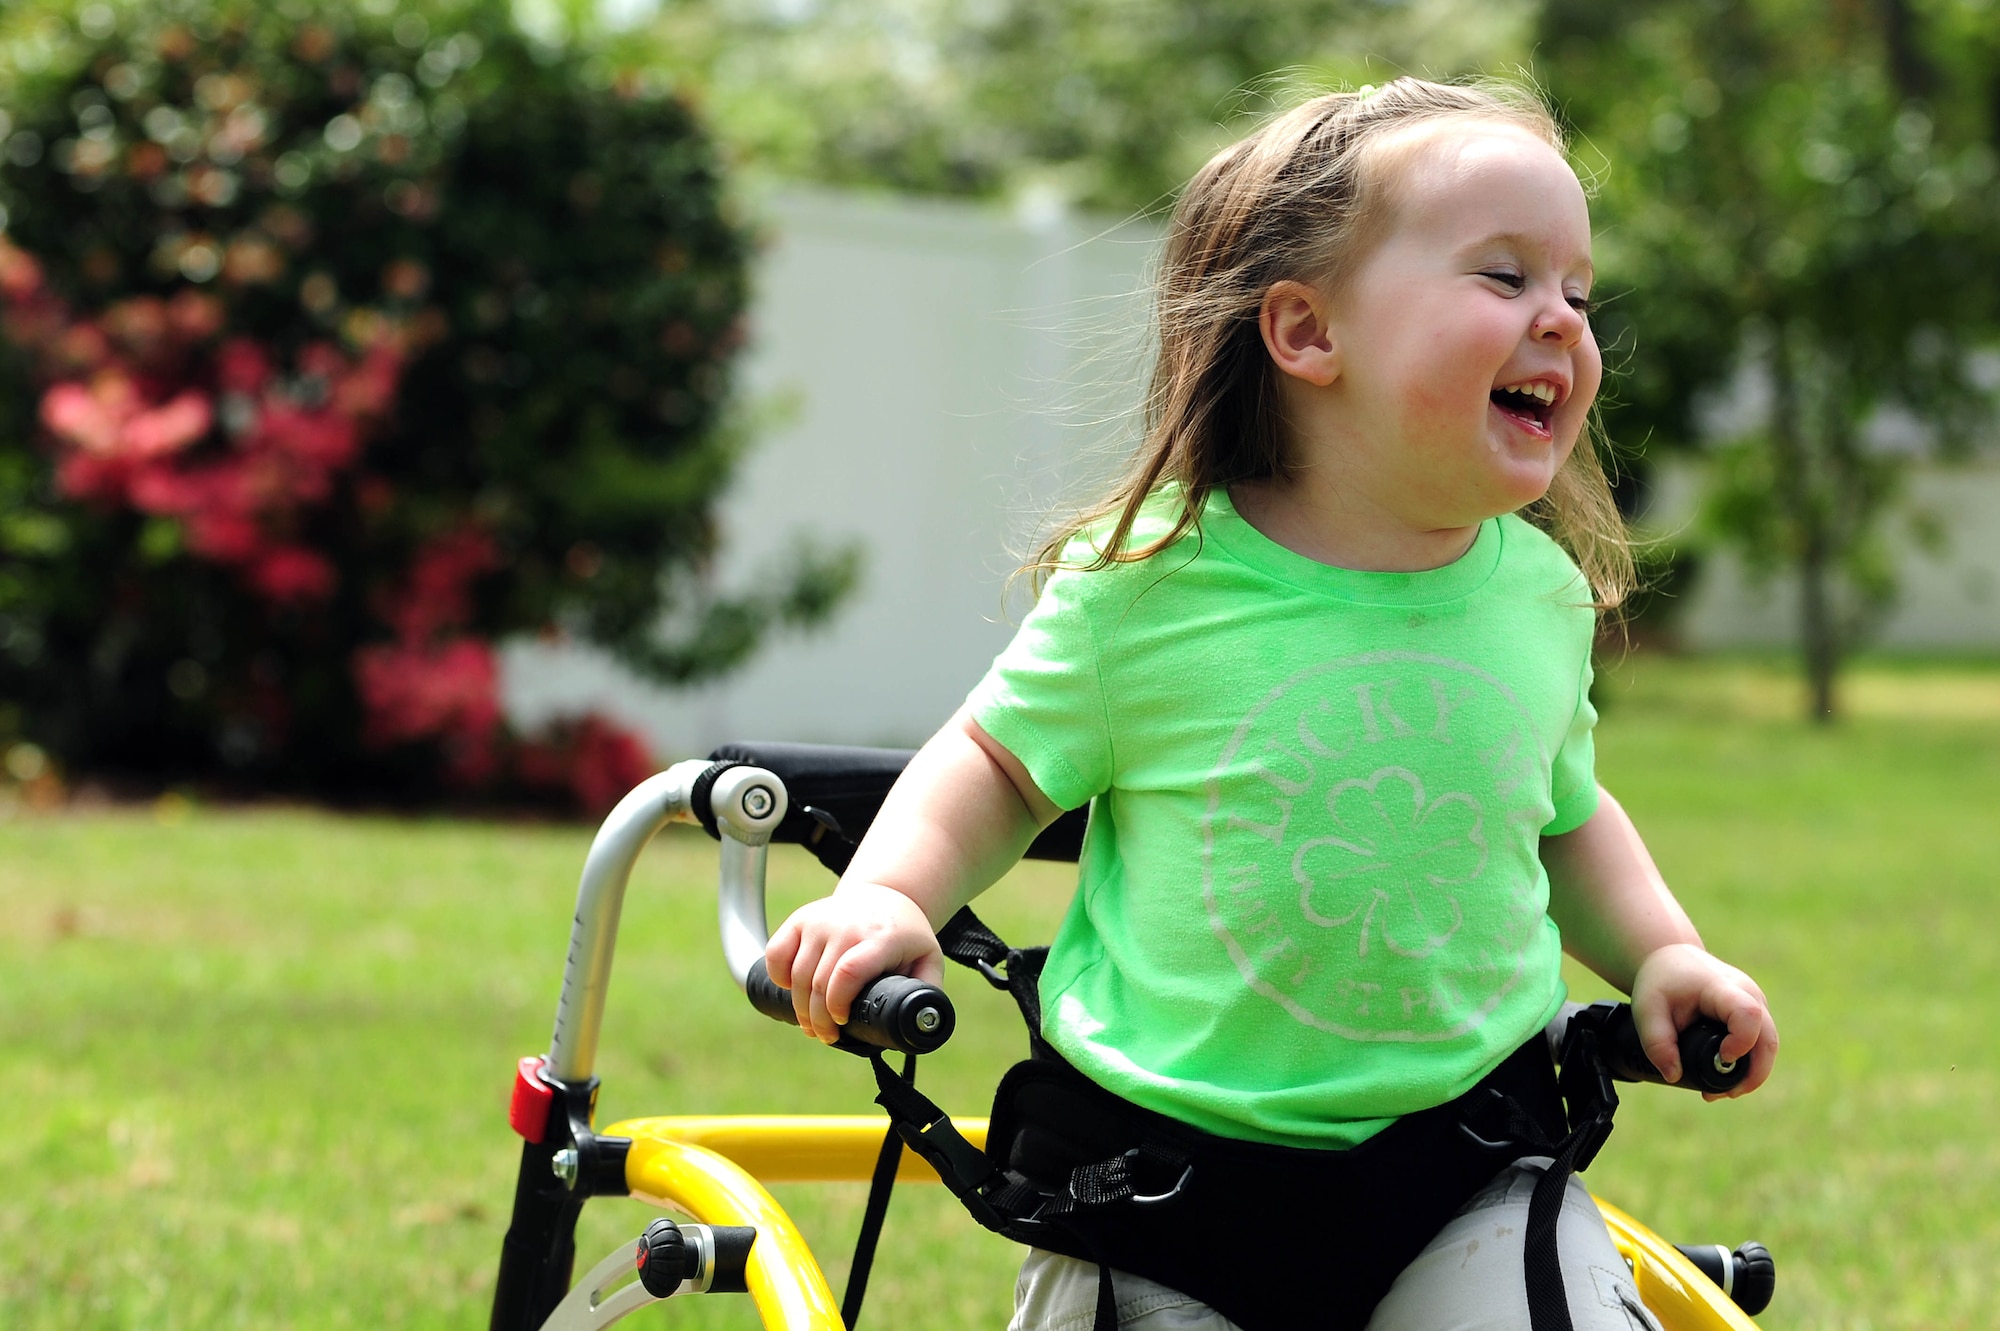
[(1573, 775), (1043, 699)]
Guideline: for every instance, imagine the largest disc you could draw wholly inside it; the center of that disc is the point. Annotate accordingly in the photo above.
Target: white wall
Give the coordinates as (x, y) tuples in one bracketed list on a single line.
[(954, 368), (1949, 601)]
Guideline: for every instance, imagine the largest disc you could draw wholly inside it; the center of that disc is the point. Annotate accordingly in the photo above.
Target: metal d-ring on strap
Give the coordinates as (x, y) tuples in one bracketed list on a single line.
[(1158, 1197)]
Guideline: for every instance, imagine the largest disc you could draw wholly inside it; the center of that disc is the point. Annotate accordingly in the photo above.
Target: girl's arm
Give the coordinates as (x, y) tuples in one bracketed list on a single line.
[(961, 814), (1618, 917)]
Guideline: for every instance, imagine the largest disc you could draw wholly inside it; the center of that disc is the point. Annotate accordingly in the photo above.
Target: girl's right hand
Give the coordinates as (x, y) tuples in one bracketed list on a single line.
[(830, 948)]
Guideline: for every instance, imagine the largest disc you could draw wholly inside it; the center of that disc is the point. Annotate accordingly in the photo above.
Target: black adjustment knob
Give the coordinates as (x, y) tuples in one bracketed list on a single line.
[(665, 1259), (1756, 1278), (1748, 1275)]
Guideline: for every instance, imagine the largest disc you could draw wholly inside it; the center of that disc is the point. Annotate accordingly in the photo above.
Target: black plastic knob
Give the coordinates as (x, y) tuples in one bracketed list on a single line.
[(665, 1259), (1756, 1278), (897, 1012), (1749, 1274)]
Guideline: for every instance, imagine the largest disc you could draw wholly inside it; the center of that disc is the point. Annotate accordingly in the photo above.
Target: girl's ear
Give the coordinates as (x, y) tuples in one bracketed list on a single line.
[(1298, 333)]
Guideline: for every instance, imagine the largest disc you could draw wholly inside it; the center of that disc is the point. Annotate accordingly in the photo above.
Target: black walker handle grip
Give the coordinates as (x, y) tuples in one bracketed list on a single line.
[(1702, 1066), (893, 1012)]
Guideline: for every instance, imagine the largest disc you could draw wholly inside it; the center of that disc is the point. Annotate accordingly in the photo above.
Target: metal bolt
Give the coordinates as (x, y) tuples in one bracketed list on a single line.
[(929, 1019), (563, 1164), (757, 801), (1724, 1065)]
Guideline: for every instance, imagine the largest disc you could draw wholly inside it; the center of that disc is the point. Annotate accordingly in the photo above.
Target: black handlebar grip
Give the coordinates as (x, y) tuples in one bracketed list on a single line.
[(1702, 1065), (891, 1011), (767, 997)]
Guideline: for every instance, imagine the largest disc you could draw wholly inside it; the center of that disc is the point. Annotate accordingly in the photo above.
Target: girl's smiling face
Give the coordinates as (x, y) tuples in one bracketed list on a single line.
[(1462, 366)]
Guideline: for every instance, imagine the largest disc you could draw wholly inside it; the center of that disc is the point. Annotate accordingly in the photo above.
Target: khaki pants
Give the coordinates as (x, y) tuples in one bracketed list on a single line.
[(1469, 1278)]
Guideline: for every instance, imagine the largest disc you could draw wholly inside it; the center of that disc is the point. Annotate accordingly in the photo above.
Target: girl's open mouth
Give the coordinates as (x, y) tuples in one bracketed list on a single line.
[(1531, 405)]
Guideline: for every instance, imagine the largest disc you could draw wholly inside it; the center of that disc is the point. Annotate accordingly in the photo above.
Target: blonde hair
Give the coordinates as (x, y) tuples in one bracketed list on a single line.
[(1299, 199)]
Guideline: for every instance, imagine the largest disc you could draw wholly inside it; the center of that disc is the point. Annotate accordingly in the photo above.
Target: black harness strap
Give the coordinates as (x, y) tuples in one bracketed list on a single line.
[(1156, 1170), (1002, 1201), (1016, 971), (880, 1187), (1592, 1100), (928, 1130)]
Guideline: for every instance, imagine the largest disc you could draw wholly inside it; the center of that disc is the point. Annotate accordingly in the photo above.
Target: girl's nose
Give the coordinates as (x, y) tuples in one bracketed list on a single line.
[(1559, 322)]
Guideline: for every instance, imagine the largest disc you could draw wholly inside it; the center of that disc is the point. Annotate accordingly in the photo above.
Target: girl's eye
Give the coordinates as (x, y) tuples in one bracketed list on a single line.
[(1583, 305), (1512, 281)]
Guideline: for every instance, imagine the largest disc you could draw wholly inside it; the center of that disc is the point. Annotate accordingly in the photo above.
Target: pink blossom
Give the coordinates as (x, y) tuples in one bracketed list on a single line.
[(241, 366), (318, 439), (165, 491), (134, 397), (81, 346), (609, 762), (369, 389), (292, 573), (20, 272), (84, 475), (108, 418), (226, 538), (322, 359), (170, 428), (33, 323), (436, 691), (438, 595), (90, 417), (591, 757), (140, 324), (195, 315)]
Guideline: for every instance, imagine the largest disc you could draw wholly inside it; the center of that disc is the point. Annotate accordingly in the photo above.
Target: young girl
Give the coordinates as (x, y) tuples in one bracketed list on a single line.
[(1321, 667)]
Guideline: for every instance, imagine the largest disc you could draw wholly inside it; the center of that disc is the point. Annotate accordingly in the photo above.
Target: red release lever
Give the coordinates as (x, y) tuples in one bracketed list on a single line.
[(528, 1111)]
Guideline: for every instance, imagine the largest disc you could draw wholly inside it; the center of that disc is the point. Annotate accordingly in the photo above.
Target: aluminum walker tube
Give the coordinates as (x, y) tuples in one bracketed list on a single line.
[(748, 804)]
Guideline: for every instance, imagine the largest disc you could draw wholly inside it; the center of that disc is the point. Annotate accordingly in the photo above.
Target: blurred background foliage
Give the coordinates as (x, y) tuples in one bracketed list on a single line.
[(1108, 105), (1797, 219), (342, 342), (348, 337), (1797, 200)]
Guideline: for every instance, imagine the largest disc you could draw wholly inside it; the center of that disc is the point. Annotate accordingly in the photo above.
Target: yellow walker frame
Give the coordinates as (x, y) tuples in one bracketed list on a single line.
[(712, 1169)]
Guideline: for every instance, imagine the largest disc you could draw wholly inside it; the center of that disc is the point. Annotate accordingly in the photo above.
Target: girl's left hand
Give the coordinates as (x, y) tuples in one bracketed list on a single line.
[(1681, 981)]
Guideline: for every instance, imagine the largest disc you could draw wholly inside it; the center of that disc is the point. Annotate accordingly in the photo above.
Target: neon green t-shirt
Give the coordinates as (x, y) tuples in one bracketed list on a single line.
[(1310, 899)]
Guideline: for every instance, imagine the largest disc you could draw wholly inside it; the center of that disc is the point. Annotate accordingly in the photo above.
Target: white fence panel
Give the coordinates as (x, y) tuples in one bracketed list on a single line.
[(954, 368)]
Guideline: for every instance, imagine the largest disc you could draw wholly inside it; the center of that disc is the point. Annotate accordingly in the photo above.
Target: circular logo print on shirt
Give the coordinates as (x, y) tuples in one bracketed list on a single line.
[(1359, 852)]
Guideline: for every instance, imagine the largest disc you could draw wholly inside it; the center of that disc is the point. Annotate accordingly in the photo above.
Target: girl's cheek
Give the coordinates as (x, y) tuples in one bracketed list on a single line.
[(1590, 375)]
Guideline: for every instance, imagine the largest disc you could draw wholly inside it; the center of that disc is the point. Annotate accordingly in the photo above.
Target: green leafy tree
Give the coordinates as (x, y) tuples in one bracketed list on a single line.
[(1796, 204), (1111, 104), (340, 343)]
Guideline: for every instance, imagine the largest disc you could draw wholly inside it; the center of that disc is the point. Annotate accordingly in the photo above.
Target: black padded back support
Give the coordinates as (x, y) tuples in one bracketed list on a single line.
[(850, 783)]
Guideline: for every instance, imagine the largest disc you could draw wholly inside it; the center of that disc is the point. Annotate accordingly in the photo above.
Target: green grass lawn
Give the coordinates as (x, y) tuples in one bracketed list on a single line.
[(259, 1059)]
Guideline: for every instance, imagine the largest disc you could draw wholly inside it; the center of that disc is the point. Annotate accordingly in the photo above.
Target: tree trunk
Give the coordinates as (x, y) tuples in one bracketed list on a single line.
[(1909, 65), (1819, 634)]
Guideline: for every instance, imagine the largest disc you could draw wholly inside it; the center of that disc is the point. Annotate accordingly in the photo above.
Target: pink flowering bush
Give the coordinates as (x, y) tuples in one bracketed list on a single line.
[(333, 348)]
